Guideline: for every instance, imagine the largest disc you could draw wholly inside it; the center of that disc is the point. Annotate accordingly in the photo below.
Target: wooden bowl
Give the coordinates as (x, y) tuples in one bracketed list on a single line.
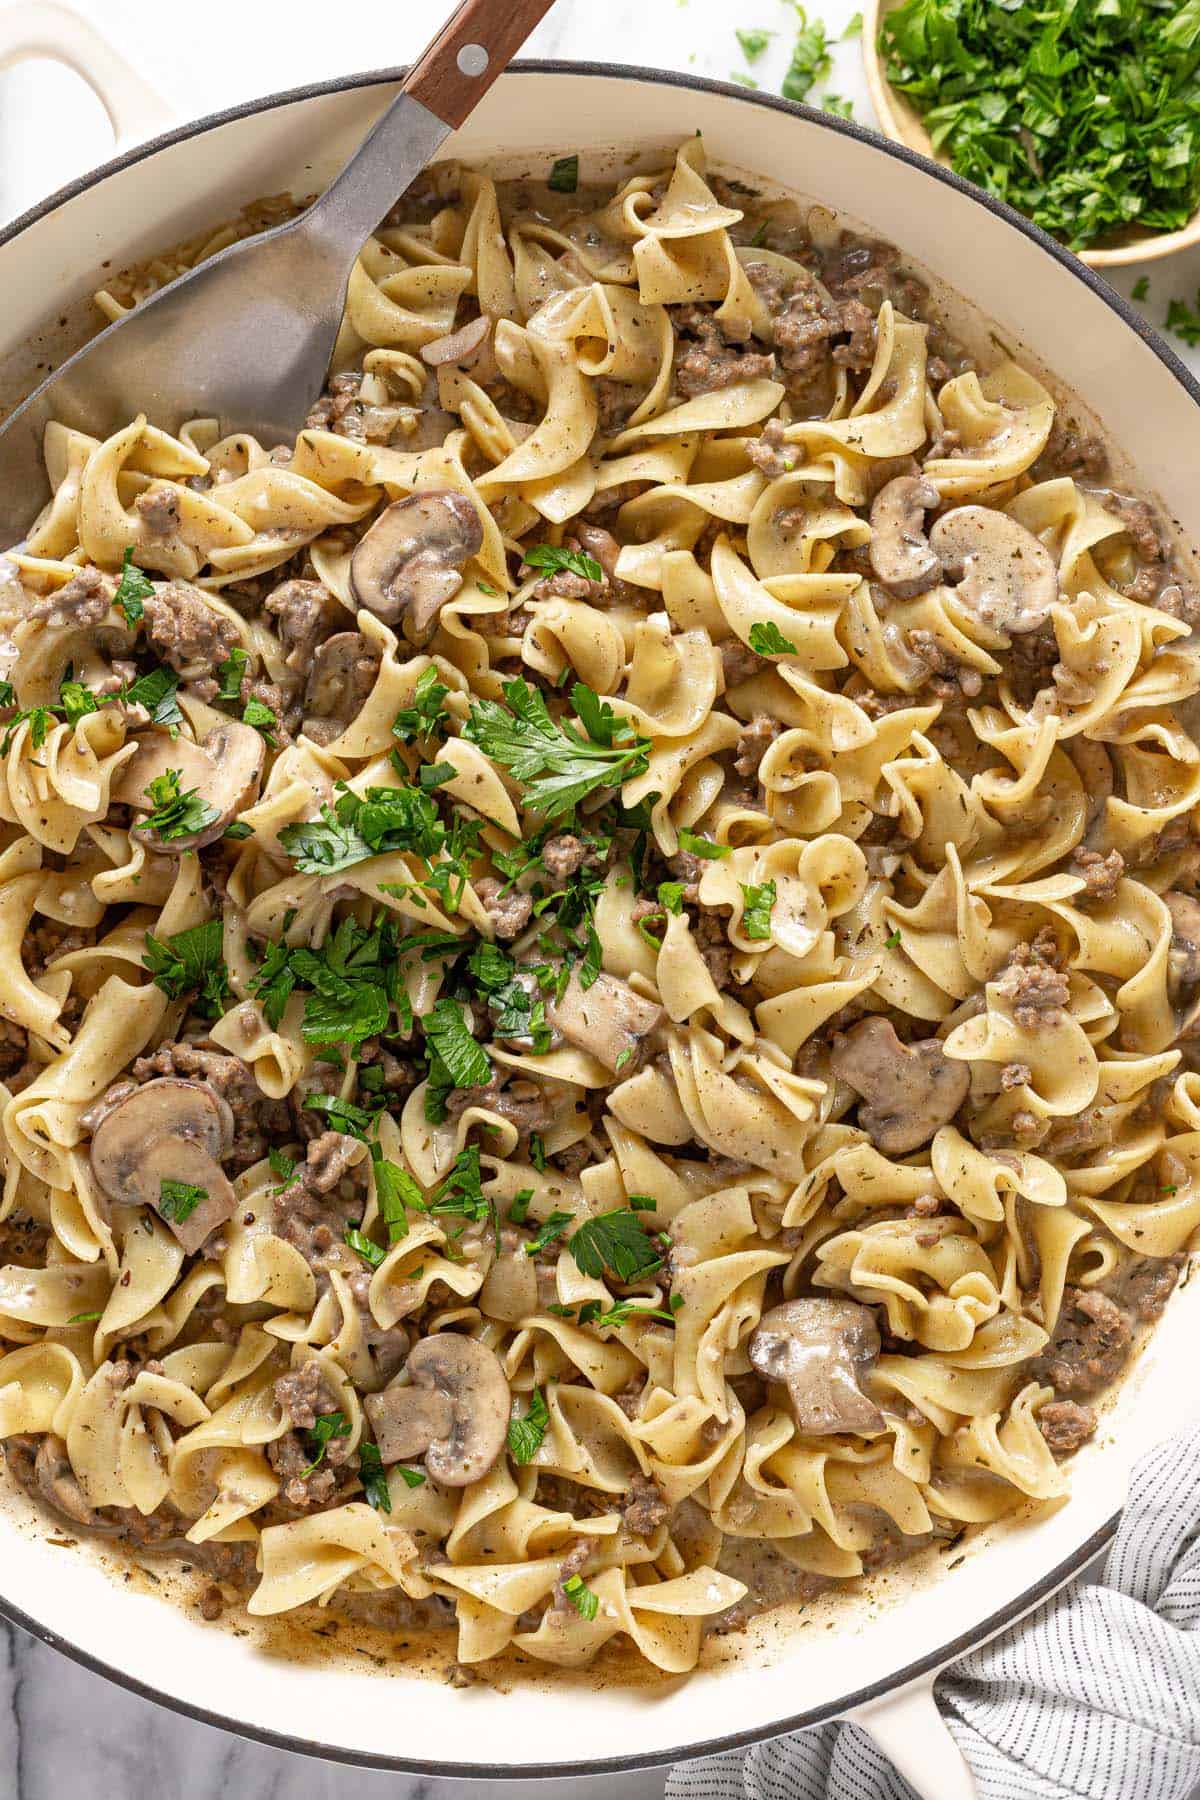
[(899, 120)]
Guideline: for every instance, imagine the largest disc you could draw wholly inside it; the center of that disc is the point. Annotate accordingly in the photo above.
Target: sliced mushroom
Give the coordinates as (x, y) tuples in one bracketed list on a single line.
[(1005, 576), (406, 567), (453, 1410), (899, 550), (469, 348), (225, 769), (821, 1351), (342, 674), (168, 1130), (608, 1019), (58, 1483), (908, 1090)]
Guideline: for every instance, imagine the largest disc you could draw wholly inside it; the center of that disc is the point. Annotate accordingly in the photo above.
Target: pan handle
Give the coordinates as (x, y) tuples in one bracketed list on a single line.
[(913, 1735), (43, 28)]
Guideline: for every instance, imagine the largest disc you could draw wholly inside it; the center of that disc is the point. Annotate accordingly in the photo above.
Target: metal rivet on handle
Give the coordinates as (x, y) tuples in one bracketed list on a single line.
[(472, 59)]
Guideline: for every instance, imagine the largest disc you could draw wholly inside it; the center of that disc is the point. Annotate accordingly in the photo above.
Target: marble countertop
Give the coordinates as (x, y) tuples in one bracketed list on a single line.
[(64, 1730)]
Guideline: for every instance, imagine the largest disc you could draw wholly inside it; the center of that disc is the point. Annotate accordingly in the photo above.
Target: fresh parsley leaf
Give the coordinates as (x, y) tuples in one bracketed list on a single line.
[(192, 961), (177, 1200), (564, 176), (702, 846), (413, 1478), (464, 1059), (282, 1166), (259, 714), (39, 718), (554, 764), (8, 694), (615, 1242), (766, 639), (238, 829), (84, 1318), (754, 43), (158, 692), (230, 674), (396, 1191), (1184, 320), (555, 557), (549, 1232), (625, 1310), (836, 104), (342, 1115), (133, 589), (742, 79), (323, 846), (518, 1210), (435, 775), (176, 812), (274, 982), (585, 1602), (525, 1433), (427, 714), (1141, 288), (670, 895), (891, 942), (491, 967), (373, 1477), (854, 26), (537, 1151), (75, 699), (810, 59), (758, 899), (372, 1254), (328, 1426)]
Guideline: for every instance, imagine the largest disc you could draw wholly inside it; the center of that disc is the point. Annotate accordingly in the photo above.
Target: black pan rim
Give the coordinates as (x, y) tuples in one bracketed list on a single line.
[(948, 1651)]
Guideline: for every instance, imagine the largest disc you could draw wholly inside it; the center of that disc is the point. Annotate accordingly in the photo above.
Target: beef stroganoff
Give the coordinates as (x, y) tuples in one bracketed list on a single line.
[(601, 954)]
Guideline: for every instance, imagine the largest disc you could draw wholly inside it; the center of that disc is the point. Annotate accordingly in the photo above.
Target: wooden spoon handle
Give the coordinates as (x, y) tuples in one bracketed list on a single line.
[(474, 46)]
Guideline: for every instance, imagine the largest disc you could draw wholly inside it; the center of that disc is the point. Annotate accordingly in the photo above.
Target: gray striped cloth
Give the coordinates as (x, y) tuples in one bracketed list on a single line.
[(1095, 1696)]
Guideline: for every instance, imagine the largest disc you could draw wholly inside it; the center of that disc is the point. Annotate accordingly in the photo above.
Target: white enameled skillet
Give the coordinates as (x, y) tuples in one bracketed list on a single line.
[(873, 1655)]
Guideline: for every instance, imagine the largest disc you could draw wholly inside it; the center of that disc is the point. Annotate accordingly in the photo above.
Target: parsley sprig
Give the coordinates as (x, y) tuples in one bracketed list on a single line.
[(554, 763), (191, 962), (176, 812)]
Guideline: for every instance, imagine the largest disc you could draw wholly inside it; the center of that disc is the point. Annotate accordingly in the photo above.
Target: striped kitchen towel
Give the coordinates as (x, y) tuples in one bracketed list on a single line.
[(1094, 1695)]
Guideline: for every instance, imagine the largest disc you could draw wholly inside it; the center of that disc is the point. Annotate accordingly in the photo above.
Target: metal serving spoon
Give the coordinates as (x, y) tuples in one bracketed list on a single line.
[(246, 338)]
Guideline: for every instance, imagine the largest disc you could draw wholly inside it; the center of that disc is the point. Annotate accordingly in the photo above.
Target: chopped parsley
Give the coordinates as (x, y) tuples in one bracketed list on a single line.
[(328, 1426), (564, 176), (84, 1318), (702, 846), (464, 1059), (555, 765), (8, 694), (40, 719), (1184, 320), (836, 104), (758, 901), (176, 812), (854, 26), (742, 79), (427, 715), (413, 1478), (372, 1254), (343, 1115), (585, 1602), (396, 1191), (282, 1166), (891, 942), (1080, 113), (76, 700), (373, 1477), (553, 558), (192, 962), (670, 896), (614, 1242), (549, 1232), (158, 692), (133, 589), (810, 59), (259, 714), (1140, 289), (754, 43), (230, 674), (590, 1312), (177, 1200), (525, 1433)]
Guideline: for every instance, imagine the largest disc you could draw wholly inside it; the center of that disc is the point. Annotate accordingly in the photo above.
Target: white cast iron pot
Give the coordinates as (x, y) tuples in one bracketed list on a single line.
[(873, 1656)]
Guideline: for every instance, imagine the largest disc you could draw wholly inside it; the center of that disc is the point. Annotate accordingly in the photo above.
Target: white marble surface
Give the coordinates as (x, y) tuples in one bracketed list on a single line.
[(63, 1730)]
